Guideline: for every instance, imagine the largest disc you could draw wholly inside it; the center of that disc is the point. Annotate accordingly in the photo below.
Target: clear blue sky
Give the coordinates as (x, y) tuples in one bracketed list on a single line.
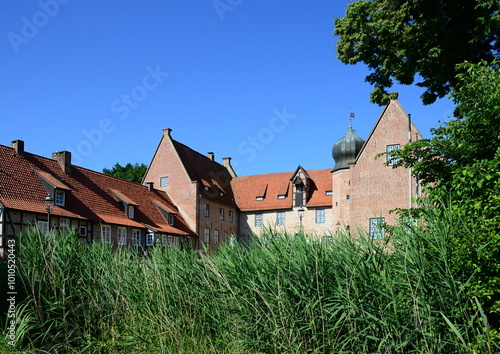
[(255, 80)]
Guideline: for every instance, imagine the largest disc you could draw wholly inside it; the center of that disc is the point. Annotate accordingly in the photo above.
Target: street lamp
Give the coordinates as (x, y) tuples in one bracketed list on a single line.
[(301, 215), (49, 204)]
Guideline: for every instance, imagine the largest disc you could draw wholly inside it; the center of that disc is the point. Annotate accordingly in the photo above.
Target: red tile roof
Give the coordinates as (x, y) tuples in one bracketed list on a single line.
[(248, 188), (214, 179), (89, 193), (270, 185)]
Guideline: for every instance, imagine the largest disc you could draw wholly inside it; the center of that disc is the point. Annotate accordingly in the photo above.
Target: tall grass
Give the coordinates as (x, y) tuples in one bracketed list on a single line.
[(277, 295)]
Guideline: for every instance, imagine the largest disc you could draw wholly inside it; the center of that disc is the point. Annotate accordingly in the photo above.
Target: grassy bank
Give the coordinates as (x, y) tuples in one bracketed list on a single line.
[(281, 295)]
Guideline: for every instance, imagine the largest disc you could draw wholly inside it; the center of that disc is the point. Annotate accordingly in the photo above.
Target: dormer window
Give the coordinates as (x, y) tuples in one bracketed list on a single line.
[(281, 196), (131, 211), (60, 197), (171, 219), (259, 198), (328, 193)]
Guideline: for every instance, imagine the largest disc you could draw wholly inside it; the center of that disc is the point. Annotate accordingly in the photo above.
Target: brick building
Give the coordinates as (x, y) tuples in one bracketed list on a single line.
[(357, 193), (189, 198), (54, 194)]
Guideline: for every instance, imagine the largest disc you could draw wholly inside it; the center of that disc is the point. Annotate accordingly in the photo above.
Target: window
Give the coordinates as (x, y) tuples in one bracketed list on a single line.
[(377, 230), (170, 240), (259, 198), (221, 214), (225, 237), (280, 218), (64, 224), (206, 210), (258, 219), (122, 236), (329, 193), (106, 233), (60, 197), (231, 216), (320, 216), (171, 219), (150, 239), (164, 181), (136, 238), (281, 196), (131, 211), (391, 161), (43, 226), (216, 237), (82, 231), (348, 196), (206, 235)]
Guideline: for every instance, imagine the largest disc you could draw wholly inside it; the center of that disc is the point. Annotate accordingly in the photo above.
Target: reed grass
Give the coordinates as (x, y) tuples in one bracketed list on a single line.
[(275, 295)]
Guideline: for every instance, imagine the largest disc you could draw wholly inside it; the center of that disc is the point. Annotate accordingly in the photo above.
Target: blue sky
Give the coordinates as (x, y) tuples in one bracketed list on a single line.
[(256, 80)]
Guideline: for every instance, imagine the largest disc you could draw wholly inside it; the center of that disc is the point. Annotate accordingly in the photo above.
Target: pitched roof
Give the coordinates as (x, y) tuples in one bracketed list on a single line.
[(321, 183), (214, 179), (89, 194), (260, 192), (269, 186)]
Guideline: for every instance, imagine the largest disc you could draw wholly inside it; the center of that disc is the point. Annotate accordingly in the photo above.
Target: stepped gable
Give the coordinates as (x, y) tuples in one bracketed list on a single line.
[(213, 179), (90, 195)]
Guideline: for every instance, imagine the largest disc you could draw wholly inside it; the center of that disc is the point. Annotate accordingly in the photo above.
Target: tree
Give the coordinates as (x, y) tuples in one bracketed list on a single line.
[(462, 162), (129, 172), (401, 40)]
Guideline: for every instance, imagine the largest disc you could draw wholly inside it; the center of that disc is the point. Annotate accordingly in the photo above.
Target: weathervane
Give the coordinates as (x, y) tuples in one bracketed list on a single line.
[(351, 116)]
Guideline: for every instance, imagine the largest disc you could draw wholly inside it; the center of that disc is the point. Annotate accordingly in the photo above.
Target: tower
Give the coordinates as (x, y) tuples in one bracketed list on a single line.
[(344, 152)]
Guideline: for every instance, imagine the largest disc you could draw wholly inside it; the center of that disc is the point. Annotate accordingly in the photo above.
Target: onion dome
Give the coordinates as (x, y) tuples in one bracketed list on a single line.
[(346, 149)]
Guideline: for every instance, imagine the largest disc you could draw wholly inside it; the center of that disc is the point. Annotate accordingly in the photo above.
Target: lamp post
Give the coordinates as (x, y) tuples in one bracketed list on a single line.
[(49, 204), (301, 215)]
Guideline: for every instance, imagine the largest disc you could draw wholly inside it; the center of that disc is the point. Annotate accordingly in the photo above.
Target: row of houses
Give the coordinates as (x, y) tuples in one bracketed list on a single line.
[(190, 199)]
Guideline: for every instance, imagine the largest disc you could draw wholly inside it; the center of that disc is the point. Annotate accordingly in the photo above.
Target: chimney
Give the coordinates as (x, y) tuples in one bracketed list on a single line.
[(149, 185), (227, 165), (18, 146), (211, 156), (64, 159), (167, 131)]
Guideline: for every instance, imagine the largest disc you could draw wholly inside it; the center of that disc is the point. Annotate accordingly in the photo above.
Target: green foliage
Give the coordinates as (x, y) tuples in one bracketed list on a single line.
[(129, 172), (401, 40), (462, 162), (276, 295)]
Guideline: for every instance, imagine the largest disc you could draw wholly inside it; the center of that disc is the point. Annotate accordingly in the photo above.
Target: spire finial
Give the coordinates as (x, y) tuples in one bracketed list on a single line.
[(351, 116)]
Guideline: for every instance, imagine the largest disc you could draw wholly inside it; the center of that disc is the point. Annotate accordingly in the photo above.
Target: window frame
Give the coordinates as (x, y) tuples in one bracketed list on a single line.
[(206, 210), (221, 214), (231, 216), (216, 236), (150, 239), (206, 235), (106, 234), (121, 235), (391, 161), (131, 211), (164, 181), (43, 226), (376, 228), (59, 197), (280, 218), (136, 237), (258, 219), (320, 216)]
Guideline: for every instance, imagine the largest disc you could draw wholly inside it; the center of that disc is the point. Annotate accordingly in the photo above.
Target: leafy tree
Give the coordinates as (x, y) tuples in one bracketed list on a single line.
[(130, 172), (462, 162), (402, 40)]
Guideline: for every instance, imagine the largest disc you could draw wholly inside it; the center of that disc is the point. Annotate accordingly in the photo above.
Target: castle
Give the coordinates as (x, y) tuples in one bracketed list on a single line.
[(188, 198)]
